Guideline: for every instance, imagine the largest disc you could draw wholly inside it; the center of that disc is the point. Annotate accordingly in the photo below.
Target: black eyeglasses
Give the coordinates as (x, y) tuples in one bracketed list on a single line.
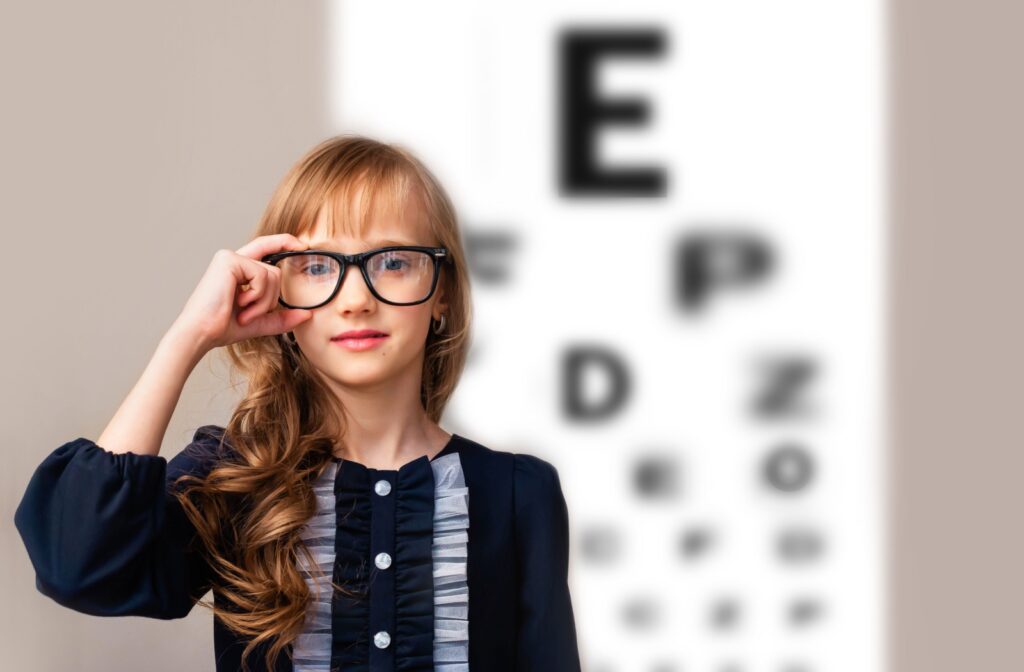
[(400, 275)]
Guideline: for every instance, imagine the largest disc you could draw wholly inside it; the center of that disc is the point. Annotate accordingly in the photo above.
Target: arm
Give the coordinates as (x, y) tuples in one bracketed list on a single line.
[(547, 629), (105, 535), (141, 421)]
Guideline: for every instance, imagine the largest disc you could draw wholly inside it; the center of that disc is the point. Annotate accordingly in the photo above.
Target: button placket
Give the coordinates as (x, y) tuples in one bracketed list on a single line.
[(382, 587)]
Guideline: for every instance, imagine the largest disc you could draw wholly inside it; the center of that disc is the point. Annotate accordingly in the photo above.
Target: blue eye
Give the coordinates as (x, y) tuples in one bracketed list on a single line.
[(325, 269)]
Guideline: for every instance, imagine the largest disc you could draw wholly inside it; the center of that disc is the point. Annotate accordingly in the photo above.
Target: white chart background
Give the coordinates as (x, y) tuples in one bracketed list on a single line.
[(767, 117)]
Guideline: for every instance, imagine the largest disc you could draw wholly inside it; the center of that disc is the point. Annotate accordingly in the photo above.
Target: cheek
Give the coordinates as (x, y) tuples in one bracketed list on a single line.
[(412, 320), (409, 333), (309, 331), (314, 335)]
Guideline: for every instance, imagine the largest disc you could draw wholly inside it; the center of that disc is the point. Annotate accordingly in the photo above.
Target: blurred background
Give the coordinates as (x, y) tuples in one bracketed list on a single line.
[(743, 271)]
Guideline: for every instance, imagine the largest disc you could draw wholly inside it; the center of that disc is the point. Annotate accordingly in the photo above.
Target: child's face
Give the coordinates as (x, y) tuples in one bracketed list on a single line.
[(398, 357)]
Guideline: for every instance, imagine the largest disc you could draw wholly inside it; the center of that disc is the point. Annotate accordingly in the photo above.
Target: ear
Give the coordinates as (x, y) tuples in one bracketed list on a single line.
[(440, 305)]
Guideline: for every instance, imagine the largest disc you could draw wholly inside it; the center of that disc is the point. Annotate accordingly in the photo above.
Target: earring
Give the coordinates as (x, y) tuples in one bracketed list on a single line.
[(439, 326)]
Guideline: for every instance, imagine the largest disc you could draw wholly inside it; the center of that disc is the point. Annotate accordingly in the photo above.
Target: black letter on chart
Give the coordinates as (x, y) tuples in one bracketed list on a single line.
[(575, 364), (581, 111), (785, 391), (706, 263)]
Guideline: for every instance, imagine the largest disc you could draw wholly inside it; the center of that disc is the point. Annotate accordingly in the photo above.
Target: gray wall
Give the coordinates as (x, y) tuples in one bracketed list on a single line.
[(138, 138), (956, 336)]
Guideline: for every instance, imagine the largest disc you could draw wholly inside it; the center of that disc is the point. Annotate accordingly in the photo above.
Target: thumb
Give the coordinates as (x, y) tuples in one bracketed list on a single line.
[(280, 321), (294, 316)]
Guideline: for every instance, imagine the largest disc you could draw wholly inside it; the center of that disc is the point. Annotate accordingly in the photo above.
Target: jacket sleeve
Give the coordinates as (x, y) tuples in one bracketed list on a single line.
[(106, 536), (546, 639)]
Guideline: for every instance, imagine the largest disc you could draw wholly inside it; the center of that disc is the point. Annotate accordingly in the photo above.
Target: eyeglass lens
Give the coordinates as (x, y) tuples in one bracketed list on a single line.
[(401, 276)]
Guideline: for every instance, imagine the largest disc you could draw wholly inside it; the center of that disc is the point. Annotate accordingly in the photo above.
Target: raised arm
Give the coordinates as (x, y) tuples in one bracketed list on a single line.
[(98, 519)]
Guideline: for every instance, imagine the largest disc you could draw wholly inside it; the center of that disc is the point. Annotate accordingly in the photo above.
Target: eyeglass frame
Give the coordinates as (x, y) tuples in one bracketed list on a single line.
[(438, 254)]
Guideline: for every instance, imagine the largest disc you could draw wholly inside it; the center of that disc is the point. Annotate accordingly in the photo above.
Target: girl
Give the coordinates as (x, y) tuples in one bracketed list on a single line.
[(339, 527)]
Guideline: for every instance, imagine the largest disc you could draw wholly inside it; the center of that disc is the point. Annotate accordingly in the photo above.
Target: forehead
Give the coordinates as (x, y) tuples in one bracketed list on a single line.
[(350, 223)]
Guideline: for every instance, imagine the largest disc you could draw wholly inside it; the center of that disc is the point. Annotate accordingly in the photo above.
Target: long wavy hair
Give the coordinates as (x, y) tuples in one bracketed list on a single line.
[(249, 509)]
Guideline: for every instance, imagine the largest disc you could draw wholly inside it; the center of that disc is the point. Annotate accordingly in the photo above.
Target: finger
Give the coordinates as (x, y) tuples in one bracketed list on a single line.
[(261, 246), (256, 286), (243, 269), (279, 321), (274, 282), (264, 304), (269, 295), (246, 295), (256, 296), (266, 280)]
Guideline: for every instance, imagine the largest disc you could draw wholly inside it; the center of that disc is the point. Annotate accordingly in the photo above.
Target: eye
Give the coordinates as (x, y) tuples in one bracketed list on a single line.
[(395, 261), (394, 264), (316, 269)]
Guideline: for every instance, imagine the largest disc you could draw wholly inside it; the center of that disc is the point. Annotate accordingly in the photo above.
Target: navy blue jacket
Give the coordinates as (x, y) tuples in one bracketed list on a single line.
[(107, 538)]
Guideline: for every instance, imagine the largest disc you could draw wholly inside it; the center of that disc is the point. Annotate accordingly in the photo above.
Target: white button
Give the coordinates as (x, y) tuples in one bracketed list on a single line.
[(383, 560), (382, 488), (382, 639)]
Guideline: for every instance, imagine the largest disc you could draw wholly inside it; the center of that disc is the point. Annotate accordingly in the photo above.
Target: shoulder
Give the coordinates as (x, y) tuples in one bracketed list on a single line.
[(208, 447), (523, 465), (532, 479), (479, 457), (537, 485), (535, 471)]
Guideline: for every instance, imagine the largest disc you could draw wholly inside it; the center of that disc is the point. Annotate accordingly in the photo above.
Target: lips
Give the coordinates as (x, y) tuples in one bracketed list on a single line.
[(363, 340), (359, 333)]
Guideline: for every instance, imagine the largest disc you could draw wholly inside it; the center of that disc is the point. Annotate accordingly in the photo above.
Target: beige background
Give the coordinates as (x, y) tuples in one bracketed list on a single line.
[(957, 550), (139, 138)]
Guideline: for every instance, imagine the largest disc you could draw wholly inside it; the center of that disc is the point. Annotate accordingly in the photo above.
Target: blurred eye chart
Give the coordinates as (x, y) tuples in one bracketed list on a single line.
[(674, 213)]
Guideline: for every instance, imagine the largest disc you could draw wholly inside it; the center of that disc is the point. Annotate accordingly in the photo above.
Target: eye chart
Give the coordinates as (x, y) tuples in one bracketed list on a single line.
[(674, 217)]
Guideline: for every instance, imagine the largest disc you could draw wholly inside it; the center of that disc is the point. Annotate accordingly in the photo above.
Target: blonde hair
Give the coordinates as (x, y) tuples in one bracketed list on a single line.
[(288, 425)]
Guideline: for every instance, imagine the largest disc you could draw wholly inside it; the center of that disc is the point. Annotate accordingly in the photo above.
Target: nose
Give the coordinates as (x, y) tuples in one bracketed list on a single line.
[(353, 293)]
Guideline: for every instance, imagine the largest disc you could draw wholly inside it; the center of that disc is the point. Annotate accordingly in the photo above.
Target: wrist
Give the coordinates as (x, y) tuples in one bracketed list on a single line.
[(186, 342)]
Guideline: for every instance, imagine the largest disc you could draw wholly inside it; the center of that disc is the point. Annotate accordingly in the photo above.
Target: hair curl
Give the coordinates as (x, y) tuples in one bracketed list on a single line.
[(249, 510)]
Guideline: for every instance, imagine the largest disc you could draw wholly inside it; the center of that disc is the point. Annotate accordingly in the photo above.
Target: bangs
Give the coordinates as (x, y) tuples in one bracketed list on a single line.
[(379, 193)]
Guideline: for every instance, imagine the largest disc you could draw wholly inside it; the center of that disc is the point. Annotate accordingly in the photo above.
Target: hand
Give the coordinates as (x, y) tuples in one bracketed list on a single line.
[(237, 298)]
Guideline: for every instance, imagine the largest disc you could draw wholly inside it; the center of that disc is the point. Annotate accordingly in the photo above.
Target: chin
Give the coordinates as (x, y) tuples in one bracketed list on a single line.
[(357, 374)]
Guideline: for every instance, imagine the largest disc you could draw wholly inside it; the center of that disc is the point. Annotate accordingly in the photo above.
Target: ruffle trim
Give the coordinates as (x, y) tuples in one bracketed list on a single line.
[(312, 649), (449, 552)]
